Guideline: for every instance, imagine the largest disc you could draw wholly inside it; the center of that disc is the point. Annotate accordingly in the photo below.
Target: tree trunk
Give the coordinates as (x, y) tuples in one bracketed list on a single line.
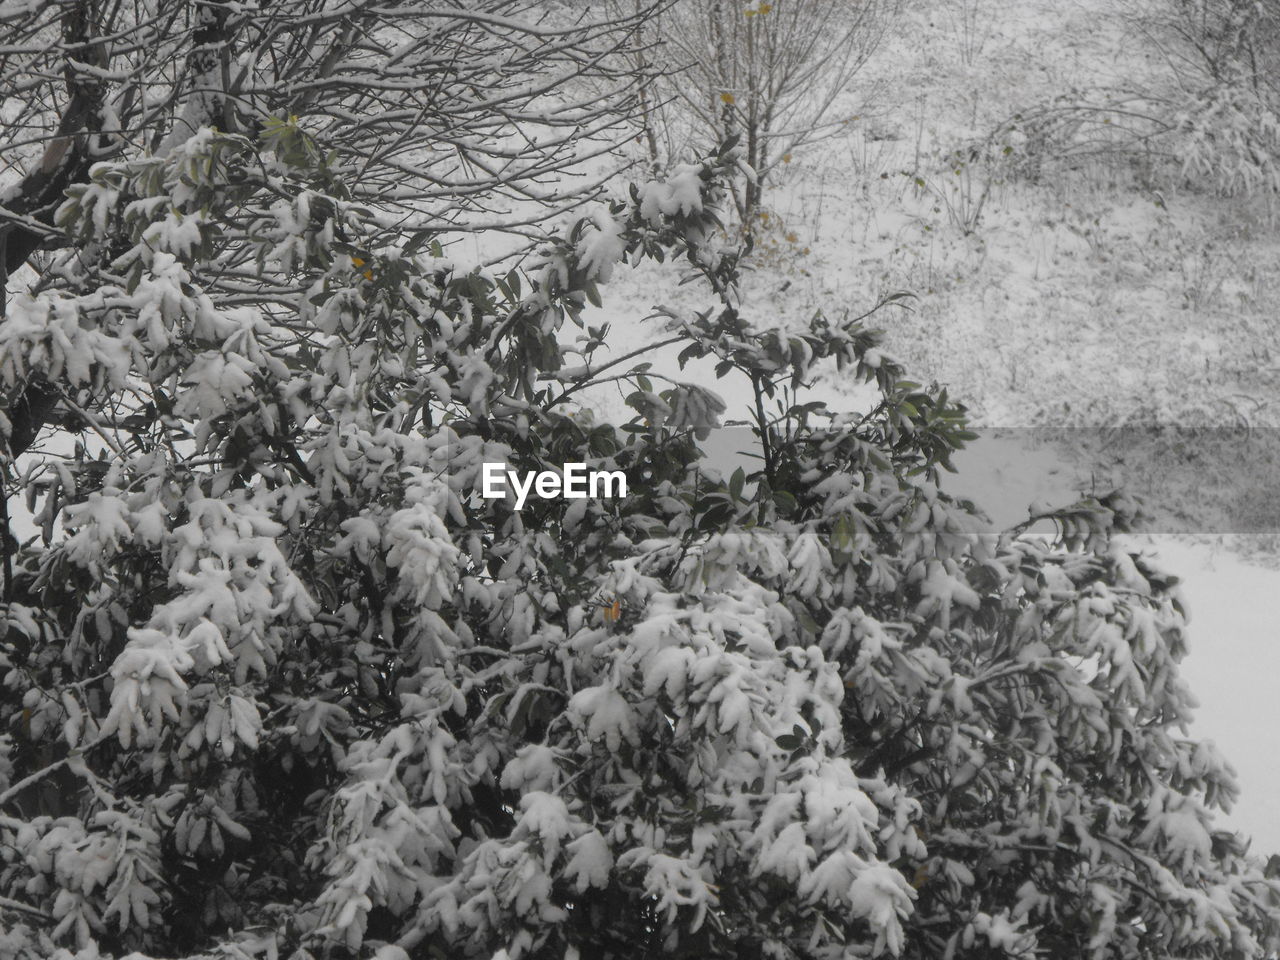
[(75, 145)]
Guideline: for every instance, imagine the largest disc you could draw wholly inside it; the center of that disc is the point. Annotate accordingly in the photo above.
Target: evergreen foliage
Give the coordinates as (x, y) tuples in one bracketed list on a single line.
[(278, 683)]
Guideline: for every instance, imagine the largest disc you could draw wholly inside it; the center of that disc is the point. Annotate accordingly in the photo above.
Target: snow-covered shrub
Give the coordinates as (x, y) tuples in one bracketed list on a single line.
[(1204, 108), (1228, 135), (308, 695), (1223, 104)]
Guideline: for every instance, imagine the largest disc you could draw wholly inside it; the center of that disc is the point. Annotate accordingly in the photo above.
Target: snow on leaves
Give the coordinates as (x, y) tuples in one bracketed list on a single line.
[(312, 683), (607, 716)]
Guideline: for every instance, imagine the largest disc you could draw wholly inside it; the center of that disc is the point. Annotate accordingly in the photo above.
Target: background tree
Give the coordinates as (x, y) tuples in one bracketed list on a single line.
[(462, 119), (775, 75)]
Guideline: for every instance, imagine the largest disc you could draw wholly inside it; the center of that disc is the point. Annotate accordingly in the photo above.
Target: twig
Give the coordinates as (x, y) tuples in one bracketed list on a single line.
[(7, 904)]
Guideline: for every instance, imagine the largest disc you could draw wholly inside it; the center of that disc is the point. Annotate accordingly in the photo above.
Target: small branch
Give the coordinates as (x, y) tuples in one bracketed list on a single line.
[(7, 904), (587, 379), (763, 423), (7, 541), (95, 426), (77, 754)]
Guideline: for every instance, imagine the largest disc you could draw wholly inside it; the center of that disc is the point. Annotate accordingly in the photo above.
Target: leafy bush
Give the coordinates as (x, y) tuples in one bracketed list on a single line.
[(278, 682)]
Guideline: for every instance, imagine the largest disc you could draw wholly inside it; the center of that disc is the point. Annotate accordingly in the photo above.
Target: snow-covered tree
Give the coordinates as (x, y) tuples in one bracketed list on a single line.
[(775, 74), (278, 682), (479, 117)]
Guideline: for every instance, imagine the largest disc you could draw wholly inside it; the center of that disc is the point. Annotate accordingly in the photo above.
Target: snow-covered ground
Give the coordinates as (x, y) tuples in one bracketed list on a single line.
[(1233, 669)]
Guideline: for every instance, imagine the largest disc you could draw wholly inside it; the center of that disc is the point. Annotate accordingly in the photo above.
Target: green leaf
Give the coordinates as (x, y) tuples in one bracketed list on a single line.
[(808, 623), (416, 241), (135, 277)]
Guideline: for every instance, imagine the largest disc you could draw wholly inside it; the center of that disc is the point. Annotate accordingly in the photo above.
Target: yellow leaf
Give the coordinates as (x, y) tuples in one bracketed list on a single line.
[(765, 8), (613, 612), (792, 238), (727, 97), (786, 158), (750, 13)]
